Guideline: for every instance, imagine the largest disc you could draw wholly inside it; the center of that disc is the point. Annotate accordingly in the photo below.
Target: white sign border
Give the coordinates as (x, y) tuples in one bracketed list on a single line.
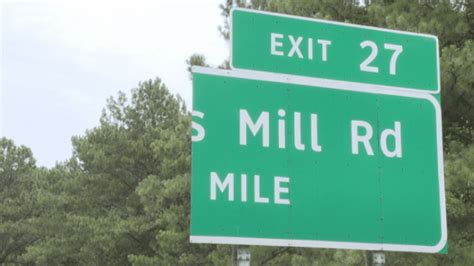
[(346, 86), (340, 24)]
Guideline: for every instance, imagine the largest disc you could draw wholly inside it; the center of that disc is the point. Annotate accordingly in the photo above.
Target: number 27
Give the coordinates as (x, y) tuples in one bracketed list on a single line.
[(397, 50)]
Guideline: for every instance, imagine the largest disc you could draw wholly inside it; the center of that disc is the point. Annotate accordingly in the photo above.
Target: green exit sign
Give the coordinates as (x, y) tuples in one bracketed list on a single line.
[(331, 50), (284, 160)]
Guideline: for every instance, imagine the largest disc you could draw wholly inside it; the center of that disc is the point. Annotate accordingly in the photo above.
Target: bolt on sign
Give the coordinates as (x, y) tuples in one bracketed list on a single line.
[(304, 161), (317, 48)]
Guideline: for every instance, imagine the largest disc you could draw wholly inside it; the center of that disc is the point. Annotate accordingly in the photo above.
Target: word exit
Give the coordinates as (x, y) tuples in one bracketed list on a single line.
[(277, 46)]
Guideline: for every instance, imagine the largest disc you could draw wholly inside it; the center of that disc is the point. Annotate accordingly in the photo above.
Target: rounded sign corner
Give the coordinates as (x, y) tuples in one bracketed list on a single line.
[(440, 245), (231, 62), (433, 100)]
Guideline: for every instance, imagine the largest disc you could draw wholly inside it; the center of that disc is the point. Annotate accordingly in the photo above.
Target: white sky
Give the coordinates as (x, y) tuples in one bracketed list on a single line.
[(60, 61)]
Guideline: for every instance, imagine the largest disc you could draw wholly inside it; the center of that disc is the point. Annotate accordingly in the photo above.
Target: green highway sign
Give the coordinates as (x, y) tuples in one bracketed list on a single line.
[(286, 44), (285, 160)]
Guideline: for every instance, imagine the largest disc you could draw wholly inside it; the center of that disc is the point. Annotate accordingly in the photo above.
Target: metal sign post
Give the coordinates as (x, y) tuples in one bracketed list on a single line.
[(242, 256)]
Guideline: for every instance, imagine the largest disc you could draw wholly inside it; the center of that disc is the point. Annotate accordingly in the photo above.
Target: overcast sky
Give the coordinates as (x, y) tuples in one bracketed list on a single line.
[(60, 61)]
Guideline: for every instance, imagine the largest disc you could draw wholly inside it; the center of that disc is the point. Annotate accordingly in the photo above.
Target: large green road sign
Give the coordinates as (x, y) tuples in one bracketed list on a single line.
[(292, 161), (316, 48)]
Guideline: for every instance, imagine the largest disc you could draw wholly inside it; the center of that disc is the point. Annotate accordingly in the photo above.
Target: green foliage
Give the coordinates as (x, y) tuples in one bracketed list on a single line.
[(457, 66), (123, 198), (459, 172), (139, 163), (17, 205), (442, 18), (196, 60)]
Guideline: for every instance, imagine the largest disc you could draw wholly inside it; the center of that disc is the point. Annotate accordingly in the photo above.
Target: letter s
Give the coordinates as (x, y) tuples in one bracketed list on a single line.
[(195, 126)]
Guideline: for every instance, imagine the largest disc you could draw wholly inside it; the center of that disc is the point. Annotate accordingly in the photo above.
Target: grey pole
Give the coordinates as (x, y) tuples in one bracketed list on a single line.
[(375, 258), (242, 257), (378, 259)]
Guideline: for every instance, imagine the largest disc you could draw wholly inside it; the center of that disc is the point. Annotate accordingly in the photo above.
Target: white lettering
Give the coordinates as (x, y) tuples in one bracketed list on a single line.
[(262, 122), (314, 133), (397, 152), (364, 139), (295, 46), (201, 133), (279, 190), (310, 48), (243, 187), (275, 44), (324, 47), (298, 145), (364, 66), (281, 130), (258, 198), (228, 183), (397, 50)]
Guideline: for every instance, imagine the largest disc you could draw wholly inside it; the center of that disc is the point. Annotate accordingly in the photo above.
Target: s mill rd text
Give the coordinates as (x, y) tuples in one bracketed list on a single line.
[(258, 126)]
